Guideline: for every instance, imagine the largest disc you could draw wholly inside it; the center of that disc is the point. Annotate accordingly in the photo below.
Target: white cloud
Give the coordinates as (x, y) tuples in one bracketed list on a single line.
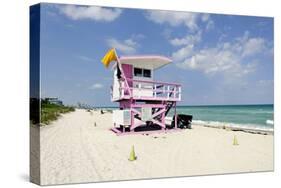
[(166, 33), (90, 12), (213, 60), (84, 58), (138, 36), (253, 46), (187, 40), (183, 53), (227, 58), (210, 25), (96, 86), (173, 18), (265, 82), (205, 17), (127, 46), (130, 42)]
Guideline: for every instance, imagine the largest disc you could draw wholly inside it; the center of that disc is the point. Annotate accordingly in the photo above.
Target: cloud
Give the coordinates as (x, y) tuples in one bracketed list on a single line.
[(183, 53), (127, 46), (210, 25), (228, 58), (187, 40), (253, 46), (84, 58), (250, 46), (173, 18), (96, 86), (216, 60), (265, 82), (138, 36), (90, 12)]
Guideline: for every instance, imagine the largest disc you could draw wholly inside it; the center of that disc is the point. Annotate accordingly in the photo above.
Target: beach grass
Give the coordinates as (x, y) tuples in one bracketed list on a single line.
[(51, 112)]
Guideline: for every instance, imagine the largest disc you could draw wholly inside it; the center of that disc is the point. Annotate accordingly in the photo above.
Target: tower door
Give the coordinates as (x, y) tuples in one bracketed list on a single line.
[(116, 91), (128, 71)]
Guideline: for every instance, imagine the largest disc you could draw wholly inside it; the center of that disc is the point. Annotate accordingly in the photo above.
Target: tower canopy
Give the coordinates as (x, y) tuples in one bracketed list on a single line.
[(148, 62)]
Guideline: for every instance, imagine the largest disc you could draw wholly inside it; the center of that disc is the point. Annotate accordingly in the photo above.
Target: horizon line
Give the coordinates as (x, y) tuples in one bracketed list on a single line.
[(196, 105)]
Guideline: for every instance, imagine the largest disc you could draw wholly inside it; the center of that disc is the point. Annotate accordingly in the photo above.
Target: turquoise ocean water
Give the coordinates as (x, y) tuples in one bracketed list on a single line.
[(259, 117), (248, 116)]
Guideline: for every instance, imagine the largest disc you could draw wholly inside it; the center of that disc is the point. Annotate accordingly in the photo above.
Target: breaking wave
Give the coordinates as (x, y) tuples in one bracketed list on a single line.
[(252, 127)]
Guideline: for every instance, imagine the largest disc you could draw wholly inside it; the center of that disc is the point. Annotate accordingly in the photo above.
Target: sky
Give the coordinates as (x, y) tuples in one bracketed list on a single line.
[(218, 59)]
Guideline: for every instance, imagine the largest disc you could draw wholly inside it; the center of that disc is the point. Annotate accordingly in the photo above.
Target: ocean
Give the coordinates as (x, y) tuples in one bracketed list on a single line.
[(254, 117), (258, 117)]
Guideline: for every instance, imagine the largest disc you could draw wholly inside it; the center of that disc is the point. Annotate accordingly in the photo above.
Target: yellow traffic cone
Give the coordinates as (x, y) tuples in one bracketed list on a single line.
[(132, 154), (235, 141)]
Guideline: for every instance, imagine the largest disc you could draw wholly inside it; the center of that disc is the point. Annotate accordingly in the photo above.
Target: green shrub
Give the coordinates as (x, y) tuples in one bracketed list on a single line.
[(51, 112)]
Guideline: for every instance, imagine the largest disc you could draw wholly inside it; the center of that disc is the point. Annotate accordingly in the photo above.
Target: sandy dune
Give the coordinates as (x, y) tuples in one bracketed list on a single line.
[(74, 150)]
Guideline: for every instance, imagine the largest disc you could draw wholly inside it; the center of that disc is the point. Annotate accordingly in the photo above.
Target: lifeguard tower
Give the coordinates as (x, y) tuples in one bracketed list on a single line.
[(143, 102)]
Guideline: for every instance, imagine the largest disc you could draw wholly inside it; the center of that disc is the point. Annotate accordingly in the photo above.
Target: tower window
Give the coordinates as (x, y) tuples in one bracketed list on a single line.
[(138, 72), (146, 73)]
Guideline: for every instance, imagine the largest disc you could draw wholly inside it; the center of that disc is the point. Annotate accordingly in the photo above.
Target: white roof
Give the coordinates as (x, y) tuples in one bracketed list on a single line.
[(148, 62)]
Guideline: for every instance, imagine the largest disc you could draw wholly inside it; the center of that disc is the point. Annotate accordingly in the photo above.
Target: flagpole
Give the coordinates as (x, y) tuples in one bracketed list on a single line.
[(122, 72)]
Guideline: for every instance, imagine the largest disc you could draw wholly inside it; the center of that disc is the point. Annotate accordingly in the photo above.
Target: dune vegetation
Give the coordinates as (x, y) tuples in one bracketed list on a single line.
[(51, 112)]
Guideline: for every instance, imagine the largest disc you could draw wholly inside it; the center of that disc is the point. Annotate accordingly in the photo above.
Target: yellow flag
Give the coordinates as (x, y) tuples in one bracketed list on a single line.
[(109, 56)]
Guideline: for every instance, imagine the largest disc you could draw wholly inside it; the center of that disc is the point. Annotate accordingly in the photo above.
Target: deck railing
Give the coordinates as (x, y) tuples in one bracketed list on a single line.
[(150, 90)]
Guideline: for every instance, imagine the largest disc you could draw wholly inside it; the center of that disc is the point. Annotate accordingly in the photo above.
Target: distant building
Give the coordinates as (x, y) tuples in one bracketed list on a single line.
[(54, 101)]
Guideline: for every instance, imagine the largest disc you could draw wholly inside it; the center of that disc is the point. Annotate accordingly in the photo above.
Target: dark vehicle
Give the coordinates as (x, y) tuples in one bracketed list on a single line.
[(183, 121)]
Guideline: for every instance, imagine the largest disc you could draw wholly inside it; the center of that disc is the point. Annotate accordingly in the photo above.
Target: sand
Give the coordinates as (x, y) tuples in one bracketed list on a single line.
[(80, 148)]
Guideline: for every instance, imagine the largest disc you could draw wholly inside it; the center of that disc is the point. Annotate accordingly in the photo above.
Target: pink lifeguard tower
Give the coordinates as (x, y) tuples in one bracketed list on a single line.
[(143, 102)]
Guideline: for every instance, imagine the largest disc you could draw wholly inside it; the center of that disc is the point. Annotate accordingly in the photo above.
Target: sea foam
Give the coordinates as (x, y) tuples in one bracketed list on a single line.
[(270, 122), (234, 126)]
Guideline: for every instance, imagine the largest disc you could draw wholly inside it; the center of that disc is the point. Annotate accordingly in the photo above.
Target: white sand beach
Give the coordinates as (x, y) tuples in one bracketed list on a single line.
[(79, 147)]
